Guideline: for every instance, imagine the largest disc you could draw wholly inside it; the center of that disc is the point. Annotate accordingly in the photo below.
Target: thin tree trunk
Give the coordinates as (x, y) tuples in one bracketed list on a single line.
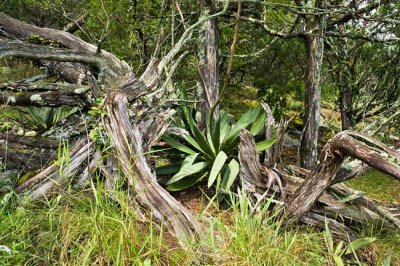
[(346, 107), (314, 41), (208, 59)]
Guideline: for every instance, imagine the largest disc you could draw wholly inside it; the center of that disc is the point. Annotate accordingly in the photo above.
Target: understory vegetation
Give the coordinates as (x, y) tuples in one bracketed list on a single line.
[(99, 226), (96, 227), (210, 132)]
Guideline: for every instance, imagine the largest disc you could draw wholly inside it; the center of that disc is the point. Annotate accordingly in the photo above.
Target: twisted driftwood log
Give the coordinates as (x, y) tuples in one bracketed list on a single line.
[(309, 197), (346, 143), (92, 73)]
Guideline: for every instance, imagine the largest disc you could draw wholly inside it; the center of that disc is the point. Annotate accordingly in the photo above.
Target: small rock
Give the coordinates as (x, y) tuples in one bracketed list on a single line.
[(20, 132), (30, 134), (6, 249)]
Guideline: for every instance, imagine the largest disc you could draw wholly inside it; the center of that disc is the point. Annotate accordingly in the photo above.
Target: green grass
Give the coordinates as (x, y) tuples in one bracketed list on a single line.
[(103, 229), (75, 229), (386, 189), (82, 229), (78, 230), (378, 186)]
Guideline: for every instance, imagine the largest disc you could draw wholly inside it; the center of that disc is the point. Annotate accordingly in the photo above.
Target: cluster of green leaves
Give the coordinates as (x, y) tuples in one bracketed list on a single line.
[(43, 118), (339, 251), (211, 152), (42, 41)]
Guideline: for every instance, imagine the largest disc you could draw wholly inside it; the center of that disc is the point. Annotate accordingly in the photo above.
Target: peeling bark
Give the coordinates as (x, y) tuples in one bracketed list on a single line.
[(131, 135), (208, 59), (344, 144), (314, 42), (50, 95)]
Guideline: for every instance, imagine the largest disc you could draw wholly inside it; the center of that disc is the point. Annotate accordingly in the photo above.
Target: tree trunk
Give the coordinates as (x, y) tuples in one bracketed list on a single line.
[(263, 183), (344, 144), (208, 59), (314, 42), (346, 107), (26, 153)]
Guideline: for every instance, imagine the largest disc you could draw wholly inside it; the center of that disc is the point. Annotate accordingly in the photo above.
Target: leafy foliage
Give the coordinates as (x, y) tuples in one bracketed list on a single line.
[(210, 152), (43, 118), (339, 251)]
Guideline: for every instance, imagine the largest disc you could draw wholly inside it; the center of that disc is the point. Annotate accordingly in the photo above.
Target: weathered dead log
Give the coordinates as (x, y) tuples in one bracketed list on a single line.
[(252, 173), (353, 169), (258, 180), (117, 83), (40, 87), (127, 142), (345, 204), (33, 142), (17, 157), (58, 173), (49, 95), (28, 153), (269, 124), (261, 182), (390, 213), (344, 144)]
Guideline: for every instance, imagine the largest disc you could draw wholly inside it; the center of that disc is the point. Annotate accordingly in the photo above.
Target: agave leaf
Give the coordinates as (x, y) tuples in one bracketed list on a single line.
[(187, 182), (217, 166), (230, 174), (248, 118), (187, 170), (189, 160), (177, 145), (359, 243), (168, 169), (258, 125), (202, 142), (194, 143), (216, 133), (224, 127), (208, 133), (245, 120), (265, 144), (39, 116), (186, 117)]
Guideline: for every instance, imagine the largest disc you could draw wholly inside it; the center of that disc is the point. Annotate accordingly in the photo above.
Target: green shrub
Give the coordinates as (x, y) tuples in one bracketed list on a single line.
[(43, 118), (211, 152)]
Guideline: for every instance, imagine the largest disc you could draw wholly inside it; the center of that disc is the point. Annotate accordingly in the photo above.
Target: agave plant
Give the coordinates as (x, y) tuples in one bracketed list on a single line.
[(210, 153), (43, 118)]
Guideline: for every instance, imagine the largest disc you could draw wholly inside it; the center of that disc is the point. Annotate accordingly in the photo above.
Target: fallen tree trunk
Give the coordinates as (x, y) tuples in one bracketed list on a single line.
[(270, 184), (132, 115), (344, 144), (26, 153)]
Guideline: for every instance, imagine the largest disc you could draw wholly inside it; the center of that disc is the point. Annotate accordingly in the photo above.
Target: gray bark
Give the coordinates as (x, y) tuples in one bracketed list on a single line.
[(121, 90), (314, 41), (50, 95), (208, 59), (344, 144)]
